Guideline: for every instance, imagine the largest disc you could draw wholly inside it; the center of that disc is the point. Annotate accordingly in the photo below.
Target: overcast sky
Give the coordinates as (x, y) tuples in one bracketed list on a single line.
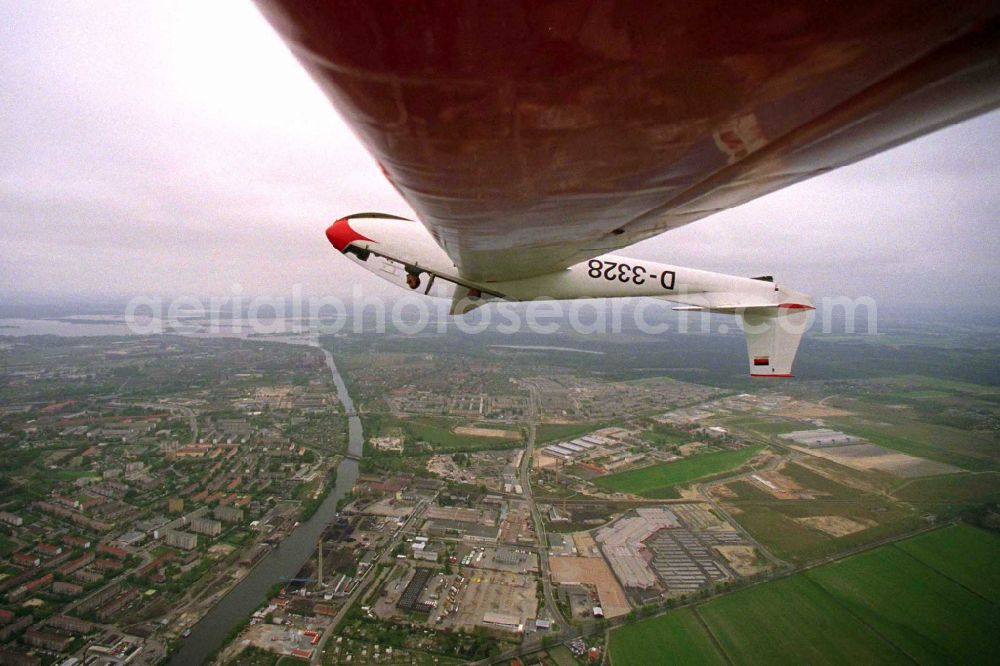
[(178, 148)]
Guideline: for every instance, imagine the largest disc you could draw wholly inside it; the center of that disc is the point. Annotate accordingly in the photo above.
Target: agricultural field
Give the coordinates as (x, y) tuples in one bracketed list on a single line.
[(903, 388), (977, 566), (930, 600), (951, 491), (939, 420), (919, 609), (794, 622), (656, 480), (826, 484), (677, 638), (780, 534), (948, 421), (788, 527)]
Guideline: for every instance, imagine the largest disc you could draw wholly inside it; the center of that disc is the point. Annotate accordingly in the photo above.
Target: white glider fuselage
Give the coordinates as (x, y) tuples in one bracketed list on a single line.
[(404, 253), (607, 276)]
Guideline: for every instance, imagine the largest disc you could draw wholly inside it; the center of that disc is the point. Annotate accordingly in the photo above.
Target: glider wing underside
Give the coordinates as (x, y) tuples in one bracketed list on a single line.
[(529, 135)]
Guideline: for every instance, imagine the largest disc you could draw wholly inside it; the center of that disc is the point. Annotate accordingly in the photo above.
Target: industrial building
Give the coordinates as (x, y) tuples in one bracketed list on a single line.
[(408, 600), (580, 446), (673, 548), (623, 546), (422, 551), (252, 554), (821, 437), (460, 528), (509, 622)]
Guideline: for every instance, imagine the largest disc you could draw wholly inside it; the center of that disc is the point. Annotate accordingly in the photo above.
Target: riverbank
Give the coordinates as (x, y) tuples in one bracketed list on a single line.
[(211, 632)]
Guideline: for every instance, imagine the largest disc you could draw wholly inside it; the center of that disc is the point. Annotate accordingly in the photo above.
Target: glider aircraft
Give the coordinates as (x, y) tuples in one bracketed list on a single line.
[(534, 138)]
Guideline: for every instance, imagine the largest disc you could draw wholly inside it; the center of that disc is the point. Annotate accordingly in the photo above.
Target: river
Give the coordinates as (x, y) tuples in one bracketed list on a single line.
[(283, 562)]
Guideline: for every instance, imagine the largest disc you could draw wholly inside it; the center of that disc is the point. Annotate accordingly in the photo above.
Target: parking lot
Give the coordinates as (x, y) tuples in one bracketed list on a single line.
[(495, 592)]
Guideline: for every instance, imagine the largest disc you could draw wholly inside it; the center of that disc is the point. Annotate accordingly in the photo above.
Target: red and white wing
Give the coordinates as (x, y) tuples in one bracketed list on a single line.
[(528, 135)]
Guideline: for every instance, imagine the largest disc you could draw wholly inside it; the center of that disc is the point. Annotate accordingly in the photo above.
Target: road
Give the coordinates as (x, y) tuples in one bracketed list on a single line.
[(363, 585), (720, 510), (543, 542), (566, 631)]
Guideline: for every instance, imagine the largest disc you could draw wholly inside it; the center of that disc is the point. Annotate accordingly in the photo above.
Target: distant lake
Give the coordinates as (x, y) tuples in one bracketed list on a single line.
[(64, 326), (71, 326)]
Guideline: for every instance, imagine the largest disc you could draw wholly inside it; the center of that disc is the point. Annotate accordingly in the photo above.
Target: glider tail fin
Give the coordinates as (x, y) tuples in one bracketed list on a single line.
[(773, 335)]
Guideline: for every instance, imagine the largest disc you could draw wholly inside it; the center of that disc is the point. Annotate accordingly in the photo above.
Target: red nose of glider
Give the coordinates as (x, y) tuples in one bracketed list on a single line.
[(340, 234)]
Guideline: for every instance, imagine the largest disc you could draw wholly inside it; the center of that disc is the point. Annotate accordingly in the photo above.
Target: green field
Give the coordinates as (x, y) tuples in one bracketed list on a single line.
[(549, 432), (675, 638), (775, 523), (930, 617), (978, 566), (955, 489), (652, 481), (929, 600), (438, 433), (793, 621), (779, 533)]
